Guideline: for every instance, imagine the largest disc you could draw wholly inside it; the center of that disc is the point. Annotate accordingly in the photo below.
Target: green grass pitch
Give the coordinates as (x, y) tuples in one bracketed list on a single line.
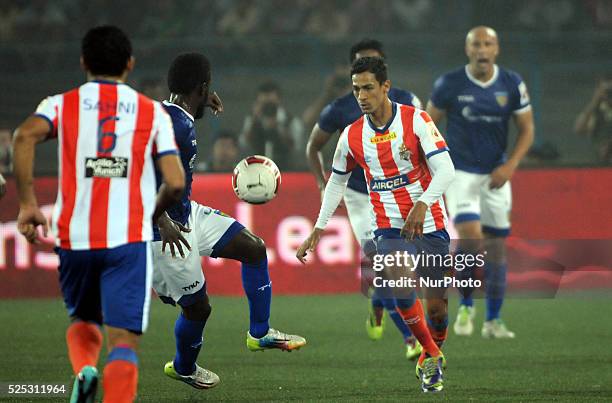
[(562, 353)]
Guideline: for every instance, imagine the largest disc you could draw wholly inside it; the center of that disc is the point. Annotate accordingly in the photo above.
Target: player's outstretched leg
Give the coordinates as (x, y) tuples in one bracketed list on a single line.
[(250, 250), (188, 331)]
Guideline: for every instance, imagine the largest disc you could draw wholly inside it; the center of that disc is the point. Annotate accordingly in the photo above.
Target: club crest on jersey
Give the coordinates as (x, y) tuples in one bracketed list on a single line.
[(106, 167), (501, 98), (433, 130), (383, 138), (404, 152)]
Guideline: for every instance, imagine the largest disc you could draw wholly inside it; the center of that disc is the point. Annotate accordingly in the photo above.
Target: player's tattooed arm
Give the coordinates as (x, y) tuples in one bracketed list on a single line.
[(170, 232)]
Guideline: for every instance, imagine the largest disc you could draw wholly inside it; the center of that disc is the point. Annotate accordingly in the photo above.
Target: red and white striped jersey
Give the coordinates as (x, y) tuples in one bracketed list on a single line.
[(394, 161), (108, 136)]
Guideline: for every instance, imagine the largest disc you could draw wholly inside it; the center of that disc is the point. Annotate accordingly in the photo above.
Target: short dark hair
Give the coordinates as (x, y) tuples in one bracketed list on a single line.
[(106, 50), (374, 65), (187, 72), (269, 86), (366, 44)]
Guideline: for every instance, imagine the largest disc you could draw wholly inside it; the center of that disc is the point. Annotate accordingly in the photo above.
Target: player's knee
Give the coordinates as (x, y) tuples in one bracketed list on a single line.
[(206, 311), (200, 311), (256, 250)]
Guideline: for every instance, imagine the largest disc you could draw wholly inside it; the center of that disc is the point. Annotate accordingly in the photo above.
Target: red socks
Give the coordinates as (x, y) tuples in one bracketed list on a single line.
[(415, 319), (438, 336), (84, 342), (120, 381), (121, 375)]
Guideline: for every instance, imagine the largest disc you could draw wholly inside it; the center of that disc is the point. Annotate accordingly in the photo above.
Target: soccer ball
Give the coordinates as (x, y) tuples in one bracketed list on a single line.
[(256, 179)]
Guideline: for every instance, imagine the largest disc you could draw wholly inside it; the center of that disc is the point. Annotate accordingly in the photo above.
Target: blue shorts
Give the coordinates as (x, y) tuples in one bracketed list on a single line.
[(108, 286), (431, 248)]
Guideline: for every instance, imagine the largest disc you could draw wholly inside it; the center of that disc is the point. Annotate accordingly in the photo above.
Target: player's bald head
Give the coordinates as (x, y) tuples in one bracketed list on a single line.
[(481, 32)]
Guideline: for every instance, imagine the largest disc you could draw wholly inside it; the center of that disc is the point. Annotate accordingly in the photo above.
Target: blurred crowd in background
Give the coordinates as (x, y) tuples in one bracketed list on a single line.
[(274, 59), (64, 19)]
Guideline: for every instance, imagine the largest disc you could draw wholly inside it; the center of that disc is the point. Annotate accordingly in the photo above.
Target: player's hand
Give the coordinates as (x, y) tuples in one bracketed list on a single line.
[(214, 103), (309, 245), (170, 233), (414, 223), (29, 218), (501, 175)]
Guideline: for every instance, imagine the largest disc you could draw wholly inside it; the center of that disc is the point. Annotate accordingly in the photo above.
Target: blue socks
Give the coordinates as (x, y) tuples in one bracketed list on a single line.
[(495, 275), (466, 274), (122, 353), (389, 304), (188, 334), (377, 302), (258, 289), (467, 301)]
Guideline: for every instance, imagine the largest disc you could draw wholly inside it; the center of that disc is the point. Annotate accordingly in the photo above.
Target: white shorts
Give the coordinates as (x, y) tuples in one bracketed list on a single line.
[(177, 279), (359, 210), (469, 198)]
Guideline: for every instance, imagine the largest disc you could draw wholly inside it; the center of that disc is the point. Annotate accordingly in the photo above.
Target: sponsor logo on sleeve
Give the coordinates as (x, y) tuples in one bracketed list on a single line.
[(523, 93)]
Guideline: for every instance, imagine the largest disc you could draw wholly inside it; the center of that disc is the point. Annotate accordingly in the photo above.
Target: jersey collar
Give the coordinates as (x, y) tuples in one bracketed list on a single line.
[(384, 129), (479, 83), (167, 103)]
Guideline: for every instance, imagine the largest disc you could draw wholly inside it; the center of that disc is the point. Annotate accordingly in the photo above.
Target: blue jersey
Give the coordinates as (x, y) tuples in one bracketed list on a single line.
[(185, 136), (477, 115), (344, 111)]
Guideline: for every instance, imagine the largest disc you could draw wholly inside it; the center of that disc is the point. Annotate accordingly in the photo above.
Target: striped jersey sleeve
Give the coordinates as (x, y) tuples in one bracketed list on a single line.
[(429, 136), (343, 159), (165, 142), (48, 110)]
